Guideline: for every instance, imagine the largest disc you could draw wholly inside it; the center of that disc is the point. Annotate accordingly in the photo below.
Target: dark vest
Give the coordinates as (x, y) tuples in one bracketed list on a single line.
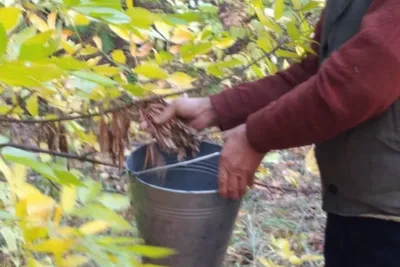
[(360, 168)]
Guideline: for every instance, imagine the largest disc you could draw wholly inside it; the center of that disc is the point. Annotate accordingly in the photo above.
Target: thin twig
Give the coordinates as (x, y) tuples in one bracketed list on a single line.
[(286, 189), (56, 153)]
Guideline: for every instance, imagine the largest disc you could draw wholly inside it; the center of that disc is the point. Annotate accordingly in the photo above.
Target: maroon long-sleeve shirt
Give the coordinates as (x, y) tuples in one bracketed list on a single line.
[(308, 103)]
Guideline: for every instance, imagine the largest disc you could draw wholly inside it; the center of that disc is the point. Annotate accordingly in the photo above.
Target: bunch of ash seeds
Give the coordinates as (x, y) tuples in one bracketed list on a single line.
[(173, 136)]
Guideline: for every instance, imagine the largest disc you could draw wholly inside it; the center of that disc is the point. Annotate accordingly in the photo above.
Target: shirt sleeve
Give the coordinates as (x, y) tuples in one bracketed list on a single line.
[(234, 105), (356, 83)]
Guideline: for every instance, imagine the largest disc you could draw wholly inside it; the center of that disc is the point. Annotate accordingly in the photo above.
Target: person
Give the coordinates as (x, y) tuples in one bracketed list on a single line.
[(345, 100)]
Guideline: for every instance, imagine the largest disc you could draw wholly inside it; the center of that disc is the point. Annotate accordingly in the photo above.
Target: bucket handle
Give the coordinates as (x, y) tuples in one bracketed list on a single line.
[(183, 163)]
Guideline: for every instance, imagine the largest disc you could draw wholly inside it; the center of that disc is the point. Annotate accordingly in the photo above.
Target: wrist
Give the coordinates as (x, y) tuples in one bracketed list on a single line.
[(209, 111)]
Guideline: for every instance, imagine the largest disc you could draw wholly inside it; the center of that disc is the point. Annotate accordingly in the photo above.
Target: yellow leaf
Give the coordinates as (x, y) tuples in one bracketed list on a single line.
[(37, 22), (99, 43), (52, 20), (118, 56), (308, 258), (81, 20), (88, 50), (311, 163), (106, 70), (181, 35), (34, 263), (67, 232), (21, 209), (68, 198), (295, 260), (19, 175), (279, 9), (32, 105), (151, 71), (123, 33), (93, 227), (181, 80), (70, 49), (224, 43), (39, 207), (129, 4), (9, 17), (75, 261), (34, 233), (164, 28), (57, 215), (55, 246)]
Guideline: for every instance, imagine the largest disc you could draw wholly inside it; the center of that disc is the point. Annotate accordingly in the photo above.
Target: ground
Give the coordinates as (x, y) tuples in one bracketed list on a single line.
[(293, 215)]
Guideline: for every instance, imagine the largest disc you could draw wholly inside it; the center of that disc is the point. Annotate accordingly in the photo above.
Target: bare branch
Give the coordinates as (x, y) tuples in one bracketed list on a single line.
[(58, 154)]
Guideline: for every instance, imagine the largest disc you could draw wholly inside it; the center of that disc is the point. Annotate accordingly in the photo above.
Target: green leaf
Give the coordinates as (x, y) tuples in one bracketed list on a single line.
[(116, 202), (189, 51), (141, 17), (163, 57), (70, 3), (39, 46), (296, 4), (265, 42), (28, 159), (116, 240), (292, 30), (279, 8), (3, 40), (135, 90), (89, 192), (104, 13), (99, 212), (25, 73), (9, 17), (32, 105), (152, 252), (94, 77), (286, 54), (151, 71), (66, 177), (310, 6), (69, 63)]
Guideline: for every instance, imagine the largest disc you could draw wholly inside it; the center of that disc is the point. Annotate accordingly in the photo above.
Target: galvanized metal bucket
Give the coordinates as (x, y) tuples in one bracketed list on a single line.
[(183, 210)]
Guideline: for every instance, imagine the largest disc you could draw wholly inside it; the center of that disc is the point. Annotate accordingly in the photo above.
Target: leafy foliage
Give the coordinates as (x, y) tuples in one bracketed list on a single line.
[(69, 66)]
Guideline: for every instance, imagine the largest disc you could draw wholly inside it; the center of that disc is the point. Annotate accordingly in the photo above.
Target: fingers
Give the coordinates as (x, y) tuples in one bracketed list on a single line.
[(167, 114), (223, 180), (233, 187), (242, 185)]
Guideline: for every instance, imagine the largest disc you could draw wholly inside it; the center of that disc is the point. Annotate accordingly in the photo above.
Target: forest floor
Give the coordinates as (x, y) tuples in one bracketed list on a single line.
[(290, 210)]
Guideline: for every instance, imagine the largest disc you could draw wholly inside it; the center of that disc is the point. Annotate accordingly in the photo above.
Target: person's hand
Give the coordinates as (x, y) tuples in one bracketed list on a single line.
[(238, 164), (197, 112)]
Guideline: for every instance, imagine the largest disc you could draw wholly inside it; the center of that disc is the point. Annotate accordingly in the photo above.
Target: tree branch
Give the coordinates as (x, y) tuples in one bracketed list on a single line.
[(58, 154), (136, 102)]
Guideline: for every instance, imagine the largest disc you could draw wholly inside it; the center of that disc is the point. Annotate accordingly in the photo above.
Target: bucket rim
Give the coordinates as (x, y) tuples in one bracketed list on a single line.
[(187, 192)]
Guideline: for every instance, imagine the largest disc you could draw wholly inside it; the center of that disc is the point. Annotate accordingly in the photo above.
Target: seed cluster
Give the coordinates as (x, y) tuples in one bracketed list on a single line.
[(173, 136)]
